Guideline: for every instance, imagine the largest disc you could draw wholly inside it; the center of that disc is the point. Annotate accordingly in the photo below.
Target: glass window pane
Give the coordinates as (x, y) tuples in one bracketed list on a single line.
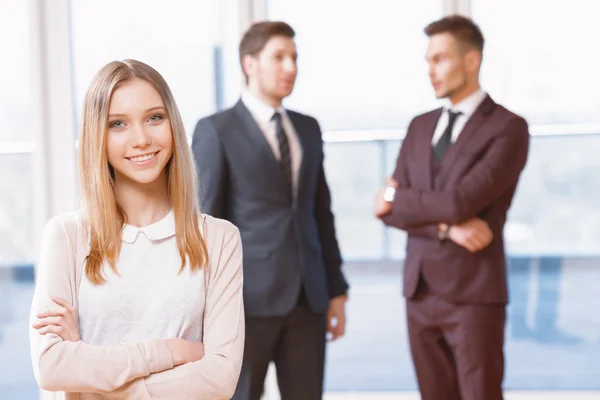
[(556, 207), (16, 373), (16, 209), (552, 237), (544, 72), (361, 65), (16, 276), (178, 39), (352, 186), (15, 92)]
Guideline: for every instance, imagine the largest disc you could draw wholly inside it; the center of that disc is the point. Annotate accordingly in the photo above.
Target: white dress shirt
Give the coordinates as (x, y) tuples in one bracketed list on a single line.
[(262, 114), (466, 107)]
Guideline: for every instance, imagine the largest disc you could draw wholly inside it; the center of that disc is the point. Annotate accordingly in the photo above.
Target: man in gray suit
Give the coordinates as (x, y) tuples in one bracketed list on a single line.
[(261, 167)]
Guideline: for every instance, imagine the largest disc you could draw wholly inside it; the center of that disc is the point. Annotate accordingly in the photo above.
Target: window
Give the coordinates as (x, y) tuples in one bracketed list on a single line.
[(545, 66), (353, 186), (16, 220), (15, 96), (361, 65), (16, 199), (177, 38), (546, 74), (16, 210)]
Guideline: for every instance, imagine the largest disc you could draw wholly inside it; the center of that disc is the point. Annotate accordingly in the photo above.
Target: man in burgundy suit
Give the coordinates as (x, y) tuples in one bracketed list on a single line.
[(456, 175)]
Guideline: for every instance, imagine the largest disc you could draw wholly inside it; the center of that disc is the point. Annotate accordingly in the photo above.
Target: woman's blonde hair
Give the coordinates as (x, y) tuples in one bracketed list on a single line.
[(104, 216)]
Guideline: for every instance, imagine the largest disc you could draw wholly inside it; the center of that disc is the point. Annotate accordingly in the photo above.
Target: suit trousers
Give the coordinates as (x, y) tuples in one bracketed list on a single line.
[(296, 343), (457, 349)]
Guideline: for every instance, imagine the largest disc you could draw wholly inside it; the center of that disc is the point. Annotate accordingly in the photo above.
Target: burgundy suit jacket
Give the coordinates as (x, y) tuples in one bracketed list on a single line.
[(477, 176)]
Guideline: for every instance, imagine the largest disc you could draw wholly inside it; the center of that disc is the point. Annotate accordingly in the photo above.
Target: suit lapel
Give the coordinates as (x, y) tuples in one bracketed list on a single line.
[(257, 138), (425, 147), (468, 132), (255, 134)]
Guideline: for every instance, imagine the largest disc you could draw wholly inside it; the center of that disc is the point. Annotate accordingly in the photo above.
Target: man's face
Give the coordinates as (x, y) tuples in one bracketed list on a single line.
[(448, 65), (273, 71)]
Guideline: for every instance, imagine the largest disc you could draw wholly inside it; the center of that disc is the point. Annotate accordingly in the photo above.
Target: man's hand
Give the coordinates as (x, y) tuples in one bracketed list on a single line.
[(474, 234), (336, 316), (185, 351), (383, 207)]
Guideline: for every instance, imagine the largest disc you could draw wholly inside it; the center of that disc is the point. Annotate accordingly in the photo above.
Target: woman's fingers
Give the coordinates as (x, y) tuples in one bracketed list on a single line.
[(52, 312), (61, 302), (56, 329), (47, 321)]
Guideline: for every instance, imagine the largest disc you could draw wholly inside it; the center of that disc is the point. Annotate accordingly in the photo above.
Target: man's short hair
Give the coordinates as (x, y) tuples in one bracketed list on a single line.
[(462, 28), (257, 36)]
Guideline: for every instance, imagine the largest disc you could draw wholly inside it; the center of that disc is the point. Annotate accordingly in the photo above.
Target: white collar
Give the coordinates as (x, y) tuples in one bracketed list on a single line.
[(161, 229), (259, 109), (468, 105)]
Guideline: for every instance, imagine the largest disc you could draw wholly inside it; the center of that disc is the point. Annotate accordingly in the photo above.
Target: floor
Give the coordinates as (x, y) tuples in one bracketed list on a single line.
[(508, 396), (552, 346)]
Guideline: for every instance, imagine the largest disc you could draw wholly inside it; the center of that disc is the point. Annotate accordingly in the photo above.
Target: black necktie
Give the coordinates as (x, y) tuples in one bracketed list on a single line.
[(285, 159), (446, 139)]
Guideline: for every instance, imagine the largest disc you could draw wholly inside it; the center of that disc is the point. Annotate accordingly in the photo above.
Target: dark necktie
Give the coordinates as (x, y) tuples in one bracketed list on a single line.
[(285, 159), (446, 139)]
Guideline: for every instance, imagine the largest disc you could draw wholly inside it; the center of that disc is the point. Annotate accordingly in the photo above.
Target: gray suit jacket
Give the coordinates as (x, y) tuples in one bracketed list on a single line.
[(286, 244)]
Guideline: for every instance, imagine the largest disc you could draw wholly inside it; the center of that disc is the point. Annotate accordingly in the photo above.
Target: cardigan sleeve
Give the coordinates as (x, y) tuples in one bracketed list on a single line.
[(76, 366)]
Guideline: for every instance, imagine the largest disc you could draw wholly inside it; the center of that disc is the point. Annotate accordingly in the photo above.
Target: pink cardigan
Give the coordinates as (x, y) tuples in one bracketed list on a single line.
[(142, 370)]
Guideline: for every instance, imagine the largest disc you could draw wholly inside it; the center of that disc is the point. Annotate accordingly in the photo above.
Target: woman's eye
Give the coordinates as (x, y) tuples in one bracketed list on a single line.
[(156, 117), (116, 124)]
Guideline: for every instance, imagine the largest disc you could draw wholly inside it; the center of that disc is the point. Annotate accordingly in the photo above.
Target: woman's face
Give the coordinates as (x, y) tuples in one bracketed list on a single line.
[(139, 139)]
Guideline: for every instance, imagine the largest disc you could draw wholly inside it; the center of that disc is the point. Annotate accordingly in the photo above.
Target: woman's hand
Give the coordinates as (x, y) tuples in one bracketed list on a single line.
[(185, 351), (62, 321)]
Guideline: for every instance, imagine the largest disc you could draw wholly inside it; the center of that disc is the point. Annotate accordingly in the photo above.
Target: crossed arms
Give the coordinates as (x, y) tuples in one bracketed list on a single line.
[(423, 213), (152, 369)]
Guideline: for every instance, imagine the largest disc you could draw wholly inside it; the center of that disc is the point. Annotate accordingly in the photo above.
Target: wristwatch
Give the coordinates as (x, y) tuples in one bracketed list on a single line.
[(443, 231), (389, 193)]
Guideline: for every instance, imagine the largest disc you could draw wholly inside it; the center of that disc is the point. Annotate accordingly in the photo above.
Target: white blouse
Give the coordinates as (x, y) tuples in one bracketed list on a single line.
[(149, 298)]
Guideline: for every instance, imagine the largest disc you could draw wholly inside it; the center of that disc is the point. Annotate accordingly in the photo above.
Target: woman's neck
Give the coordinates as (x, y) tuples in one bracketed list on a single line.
[(143, 204)]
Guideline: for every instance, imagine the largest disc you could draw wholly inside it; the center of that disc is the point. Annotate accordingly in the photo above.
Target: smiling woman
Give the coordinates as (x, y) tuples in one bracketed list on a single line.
[(139, 142), (132, 92), (138, 295)]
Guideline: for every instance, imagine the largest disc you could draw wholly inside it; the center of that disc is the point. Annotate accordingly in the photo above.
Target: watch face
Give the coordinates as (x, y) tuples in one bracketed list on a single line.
[(388, 195)]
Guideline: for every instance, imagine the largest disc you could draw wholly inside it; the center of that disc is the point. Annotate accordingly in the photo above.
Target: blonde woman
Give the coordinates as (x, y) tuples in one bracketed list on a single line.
[(138, 295)]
